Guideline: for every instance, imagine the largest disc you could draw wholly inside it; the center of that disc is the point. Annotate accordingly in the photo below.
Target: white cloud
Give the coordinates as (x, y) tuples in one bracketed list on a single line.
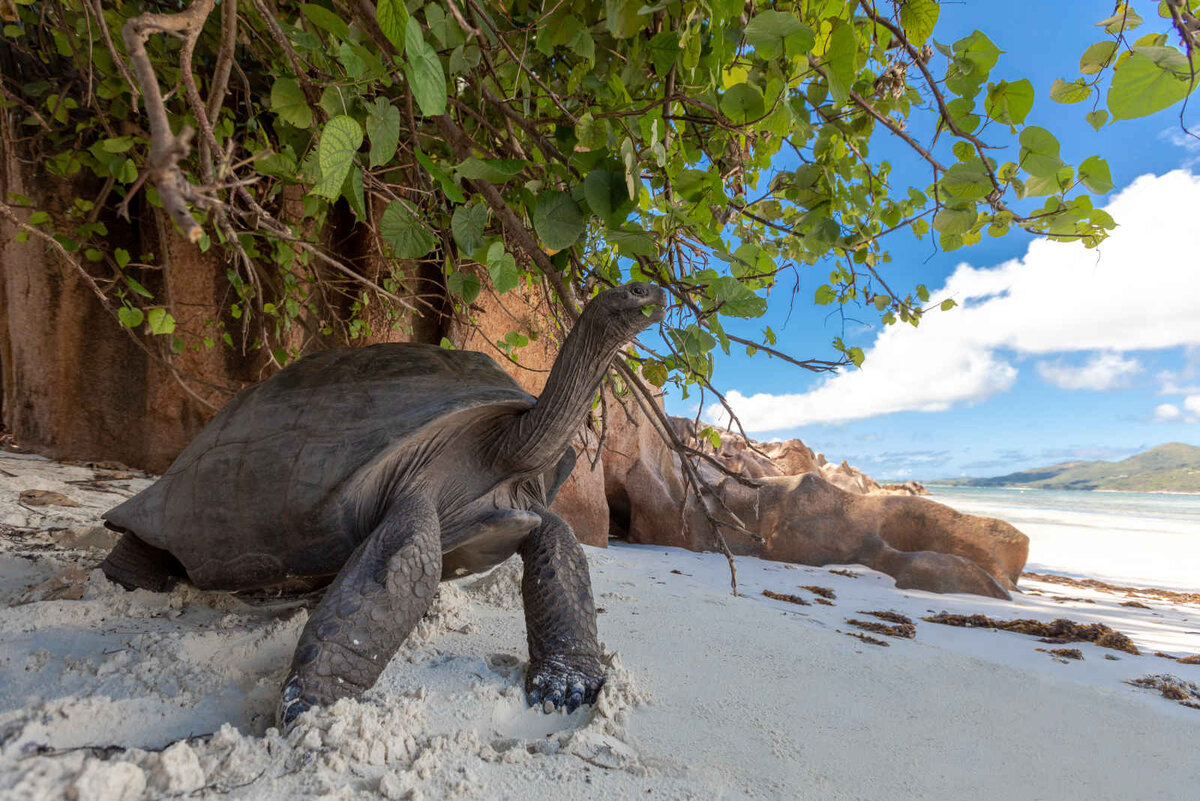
[(1103, 371), (1127, 295), (1192, 403), (1188, 142), (1183, 381), (1166, 412)]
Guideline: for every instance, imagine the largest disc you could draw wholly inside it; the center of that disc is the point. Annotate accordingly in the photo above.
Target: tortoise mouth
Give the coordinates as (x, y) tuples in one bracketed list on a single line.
[(654, 312)]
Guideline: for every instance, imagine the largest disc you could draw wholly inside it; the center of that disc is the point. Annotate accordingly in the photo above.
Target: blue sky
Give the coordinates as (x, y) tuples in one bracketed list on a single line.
[(1055, 353)]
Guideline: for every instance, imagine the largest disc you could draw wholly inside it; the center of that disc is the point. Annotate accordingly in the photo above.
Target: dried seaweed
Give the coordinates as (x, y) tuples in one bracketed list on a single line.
[(1063, 654), (1093, 584), (1186, 693), (904, 630), (783, 596), (865, 638), (889, 616), (824, 592), (1058, 631)]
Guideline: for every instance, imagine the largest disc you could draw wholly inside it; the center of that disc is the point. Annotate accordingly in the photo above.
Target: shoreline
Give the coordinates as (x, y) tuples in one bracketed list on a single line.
[(1060, 489)]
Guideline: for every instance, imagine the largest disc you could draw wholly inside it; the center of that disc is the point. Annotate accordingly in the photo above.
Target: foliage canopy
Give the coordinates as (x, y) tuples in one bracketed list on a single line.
[(712, 146)]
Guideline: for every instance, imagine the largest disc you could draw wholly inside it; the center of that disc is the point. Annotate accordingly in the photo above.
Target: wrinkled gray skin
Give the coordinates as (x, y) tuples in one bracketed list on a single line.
[(381, 471)]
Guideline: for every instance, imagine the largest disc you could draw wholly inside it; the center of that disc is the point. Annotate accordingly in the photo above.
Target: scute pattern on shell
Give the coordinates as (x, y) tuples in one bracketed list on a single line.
[(261, 479)]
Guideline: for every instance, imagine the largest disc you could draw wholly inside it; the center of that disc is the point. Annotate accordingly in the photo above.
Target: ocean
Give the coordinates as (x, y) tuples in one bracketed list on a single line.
[(1135, 538)]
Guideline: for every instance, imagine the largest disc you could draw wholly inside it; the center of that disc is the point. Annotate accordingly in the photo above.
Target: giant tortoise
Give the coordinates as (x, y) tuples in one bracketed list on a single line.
[(382, 471)]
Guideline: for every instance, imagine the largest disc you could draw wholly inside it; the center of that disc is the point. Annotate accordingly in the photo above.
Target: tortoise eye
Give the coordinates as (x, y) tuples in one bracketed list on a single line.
[(638, 290)]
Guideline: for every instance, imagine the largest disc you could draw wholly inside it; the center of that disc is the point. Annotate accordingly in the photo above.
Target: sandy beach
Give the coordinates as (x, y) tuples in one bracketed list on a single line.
[(139, 695)]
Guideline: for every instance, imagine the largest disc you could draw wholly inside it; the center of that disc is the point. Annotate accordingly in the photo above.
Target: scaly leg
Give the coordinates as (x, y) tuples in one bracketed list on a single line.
[(375, 601), (560, 618)]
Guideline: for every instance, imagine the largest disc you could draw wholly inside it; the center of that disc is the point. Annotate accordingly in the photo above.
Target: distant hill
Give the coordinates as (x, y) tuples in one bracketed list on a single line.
[(1174, 467)]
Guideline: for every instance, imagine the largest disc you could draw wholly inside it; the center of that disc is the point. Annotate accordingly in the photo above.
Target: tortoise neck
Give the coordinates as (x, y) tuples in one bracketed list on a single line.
[(537, 438)]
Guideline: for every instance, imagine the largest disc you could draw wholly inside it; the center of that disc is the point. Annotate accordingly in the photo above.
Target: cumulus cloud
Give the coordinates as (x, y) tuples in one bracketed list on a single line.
[(1192, 403), (1102, 371), (1058, 298), (1166, 412)]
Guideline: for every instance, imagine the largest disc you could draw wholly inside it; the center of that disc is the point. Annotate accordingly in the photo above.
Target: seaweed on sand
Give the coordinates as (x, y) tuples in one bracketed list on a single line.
[(1057, 631)]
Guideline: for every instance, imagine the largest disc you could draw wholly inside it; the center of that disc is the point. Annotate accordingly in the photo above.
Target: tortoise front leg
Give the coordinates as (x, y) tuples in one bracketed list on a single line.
[(378, 597), (560, 618)]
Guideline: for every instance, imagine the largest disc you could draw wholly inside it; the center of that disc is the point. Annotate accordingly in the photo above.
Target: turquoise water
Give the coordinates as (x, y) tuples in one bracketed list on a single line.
[(1145, 504), (1126, 537)]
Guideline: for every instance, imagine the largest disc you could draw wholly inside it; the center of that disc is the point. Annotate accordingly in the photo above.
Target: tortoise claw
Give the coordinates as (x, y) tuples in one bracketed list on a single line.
[(293, 704), (563, 682)]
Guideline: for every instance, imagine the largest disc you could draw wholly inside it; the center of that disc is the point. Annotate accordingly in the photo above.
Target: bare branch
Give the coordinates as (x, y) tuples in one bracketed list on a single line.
[(166, 148)]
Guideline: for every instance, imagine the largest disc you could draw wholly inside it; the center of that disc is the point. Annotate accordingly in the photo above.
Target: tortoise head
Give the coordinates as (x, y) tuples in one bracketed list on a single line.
[(534, 441), (622, 312)]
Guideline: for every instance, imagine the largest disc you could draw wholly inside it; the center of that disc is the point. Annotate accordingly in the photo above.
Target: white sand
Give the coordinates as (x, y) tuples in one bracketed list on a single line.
[(711, 696)]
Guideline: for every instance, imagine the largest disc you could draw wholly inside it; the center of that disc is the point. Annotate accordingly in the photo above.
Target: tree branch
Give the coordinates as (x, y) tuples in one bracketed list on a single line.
[(166, 148)]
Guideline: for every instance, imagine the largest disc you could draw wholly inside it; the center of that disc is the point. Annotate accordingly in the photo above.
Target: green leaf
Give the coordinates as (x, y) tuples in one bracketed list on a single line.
[(464, 285), (1096, 57), (664, 51), (966, 181), (468, 224), (288, 101), (1094, 174), (1040, 185), (778, 33), (742, 103), (400, 229), (1097, 118), (160, 322), (383, 129), (735, 299), (1009, 102), (608, 195), (1039, 152), (503, 270), (824, 295), (839, 61), (495, 171), (954, 221), (693, 341), (918, 18), (558, 220), (351, 60), (947, 304), (118, 145), (1067, 93), (326, 20), (137, 288), (424, 71), (392, 18), (352, 190), (127, 173), (340, 140), (443, 178), (130, 316), (1150, 80), (655, 372), (1123, 19), (623, 19), (515, 339), (631, 243)]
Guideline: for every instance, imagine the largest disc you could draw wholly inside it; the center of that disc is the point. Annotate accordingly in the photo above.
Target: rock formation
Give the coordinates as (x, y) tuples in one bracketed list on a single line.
[(804, 510)]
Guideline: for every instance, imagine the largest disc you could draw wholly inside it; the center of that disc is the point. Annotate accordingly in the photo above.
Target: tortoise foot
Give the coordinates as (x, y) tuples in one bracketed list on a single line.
[(295, 702), (558, 682)]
